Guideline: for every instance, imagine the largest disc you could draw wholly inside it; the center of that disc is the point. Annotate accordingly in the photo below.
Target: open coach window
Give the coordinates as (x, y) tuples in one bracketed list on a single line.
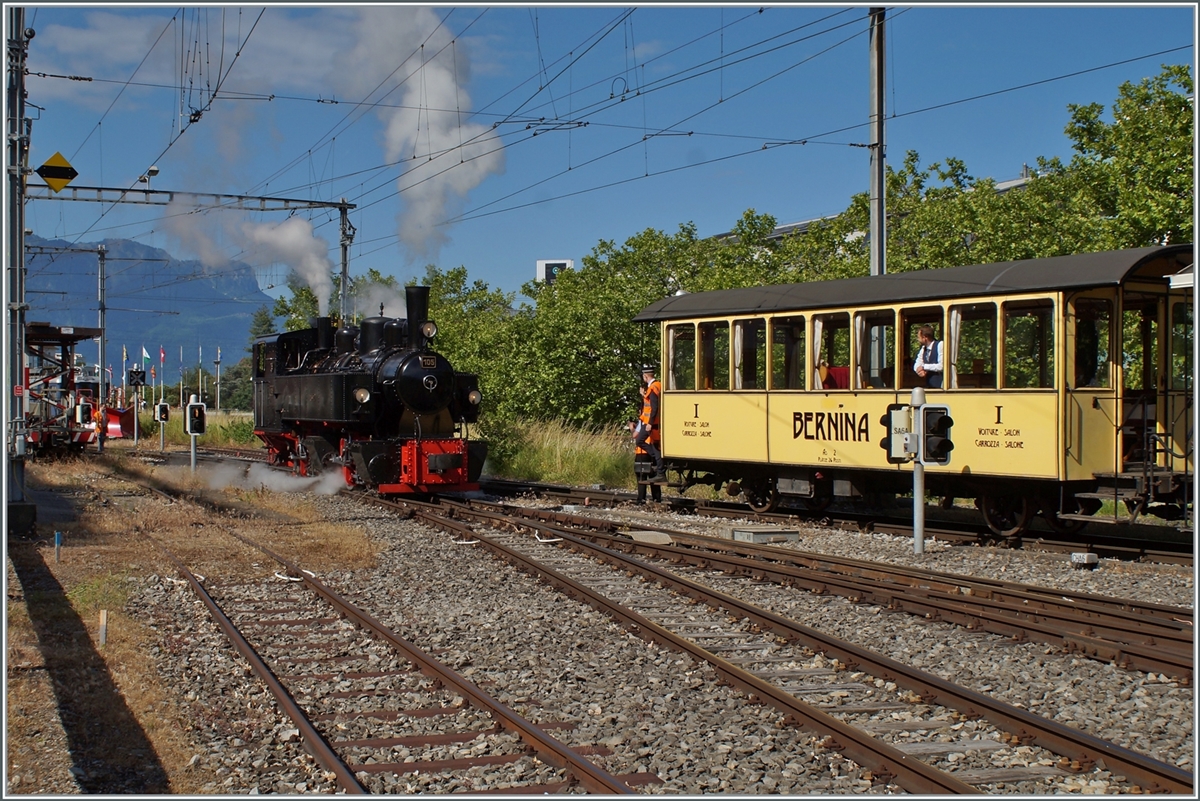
[(971, 347), (681, 356), (875, 336), (787, 353), (714, 355), (750, 354), (1029, 344), (912, 321), (831, 351)]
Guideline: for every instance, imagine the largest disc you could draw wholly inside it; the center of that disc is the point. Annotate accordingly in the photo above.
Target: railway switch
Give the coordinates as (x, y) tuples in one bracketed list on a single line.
[(934, 434)]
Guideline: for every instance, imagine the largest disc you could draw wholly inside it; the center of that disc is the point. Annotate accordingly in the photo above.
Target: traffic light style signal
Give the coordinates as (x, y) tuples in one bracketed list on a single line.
[(83, 414), (897, 433), (935, 434), (162, 412), (195, 418)]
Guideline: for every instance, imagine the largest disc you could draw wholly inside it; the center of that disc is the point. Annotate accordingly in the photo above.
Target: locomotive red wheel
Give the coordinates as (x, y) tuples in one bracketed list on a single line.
[(1007, 515)]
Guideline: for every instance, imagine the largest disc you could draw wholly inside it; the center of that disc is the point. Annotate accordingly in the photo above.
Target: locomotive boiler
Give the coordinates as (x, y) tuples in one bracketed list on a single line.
[(375, 402)]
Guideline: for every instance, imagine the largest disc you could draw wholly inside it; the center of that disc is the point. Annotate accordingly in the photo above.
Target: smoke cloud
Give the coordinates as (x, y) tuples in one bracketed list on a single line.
[(442, 156), (259, 476), (291, 242)]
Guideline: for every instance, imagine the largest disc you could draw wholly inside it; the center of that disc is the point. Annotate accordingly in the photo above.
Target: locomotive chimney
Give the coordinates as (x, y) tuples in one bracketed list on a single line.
[(416, 298), (324, 328)]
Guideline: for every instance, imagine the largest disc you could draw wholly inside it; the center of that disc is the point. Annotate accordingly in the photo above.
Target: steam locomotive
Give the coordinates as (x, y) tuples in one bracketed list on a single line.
[(375, 402)]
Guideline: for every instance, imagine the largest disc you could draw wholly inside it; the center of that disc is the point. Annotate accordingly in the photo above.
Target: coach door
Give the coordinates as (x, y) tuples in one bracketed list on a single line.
[(1092, 414), (1178, 404), (1144, 406)]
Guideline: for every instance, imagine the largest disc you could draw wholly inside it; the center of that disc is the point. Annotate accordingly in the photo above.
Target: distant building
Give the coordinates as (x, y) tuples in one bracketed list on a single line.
[(548, 269)]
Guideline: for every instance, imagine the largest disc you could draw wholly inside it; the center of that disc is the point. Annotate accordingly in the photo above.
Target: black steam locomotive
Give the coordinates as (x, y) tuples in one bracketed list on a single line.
[(376, 402)]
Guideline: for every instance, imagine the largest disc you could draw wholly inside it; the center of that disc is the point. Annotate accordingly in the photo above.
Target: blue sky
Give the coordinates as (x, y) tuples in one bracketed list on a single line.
[(494, 137)]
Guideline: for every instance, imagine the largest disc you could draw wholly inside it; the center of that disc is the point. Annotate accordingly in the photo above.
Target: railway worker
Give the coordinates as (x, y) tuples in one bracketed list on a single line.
[(929, 358), (101, 419), (647, 435)]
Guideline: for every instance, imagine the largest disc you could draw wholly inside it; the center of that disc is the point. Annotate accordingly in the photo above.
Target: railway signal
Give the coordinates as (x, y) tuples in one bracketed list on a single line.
[(137, 378), (934, 428), (196, 420), (899, 439), (162, 412)]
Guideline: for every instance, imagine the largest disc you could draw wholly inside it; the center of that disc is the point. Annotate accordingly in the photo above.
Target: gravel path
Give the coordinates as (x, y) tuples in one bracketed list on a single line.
[(663, 713)]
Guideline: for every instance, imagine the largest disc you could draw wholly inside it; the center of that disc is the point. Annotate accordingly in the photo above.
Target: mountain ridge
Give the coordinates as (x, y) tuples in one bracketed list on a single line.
[(152, 300)]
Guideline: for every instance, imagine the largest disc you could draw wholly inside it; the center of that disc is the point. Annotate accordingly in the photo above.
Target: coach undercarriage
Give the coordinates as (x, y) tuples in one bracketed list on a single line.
[(1007, 506)]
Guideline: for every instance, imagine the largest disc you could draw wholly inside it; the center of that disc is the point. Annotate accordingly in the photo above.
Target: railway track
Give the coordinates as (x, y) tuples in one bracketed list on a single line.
[(1142, 636), (765, 654), (386, 708), (1160, 544)]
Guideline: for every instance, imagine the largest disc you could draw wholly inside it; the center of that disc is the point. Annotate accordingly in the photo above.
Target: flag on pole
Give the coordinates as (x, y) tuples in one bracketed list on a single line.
[(218, 353), (153, 375), (145, 355), (124, 355), (162, 355)]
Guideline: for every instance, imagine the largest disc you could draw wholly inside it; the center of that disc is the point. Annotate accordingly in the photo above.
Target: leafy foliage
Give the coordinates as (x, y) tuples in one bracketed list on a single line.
[(573, 354)]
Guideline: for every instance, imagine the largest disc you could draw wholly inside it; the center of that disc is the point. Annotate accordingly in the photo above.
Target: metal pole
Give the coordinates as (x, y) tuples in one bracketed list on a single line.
[(18, 154), (102, 253), (193, 436), (878, 222), (217, 364), (878, 233), (918, 400), (346, 239)]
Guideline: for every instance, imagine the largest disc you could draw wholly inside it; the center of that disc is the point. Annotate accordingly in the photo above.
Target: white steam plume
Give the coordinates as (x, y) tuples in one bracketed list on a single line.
[(291, 242), (259, 476), (443, 157)]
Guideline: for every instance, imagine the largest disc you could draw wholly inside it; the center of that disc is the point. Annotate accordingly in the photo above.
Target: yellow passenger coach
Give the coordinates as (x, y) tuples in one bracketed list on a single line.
[(1069, 380)]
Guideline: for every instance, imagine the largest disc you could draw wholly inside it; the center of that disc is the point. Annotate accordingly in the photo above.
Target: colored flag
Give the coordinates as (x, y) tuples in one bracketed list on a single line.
[(152, 374), (145, 355), (124, 355), (218, 353), (162, 355)]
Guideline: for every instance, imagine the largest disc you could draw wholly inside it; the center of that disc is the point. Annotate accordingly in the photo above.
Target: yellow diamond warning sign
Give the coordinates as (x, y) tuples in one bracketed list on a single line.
[(57, 172)]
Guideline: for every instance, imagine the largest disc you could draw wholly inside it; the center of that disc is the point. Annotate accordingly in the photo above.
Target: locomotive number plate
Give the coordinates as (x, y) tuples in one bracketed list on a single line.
[(428, 362)]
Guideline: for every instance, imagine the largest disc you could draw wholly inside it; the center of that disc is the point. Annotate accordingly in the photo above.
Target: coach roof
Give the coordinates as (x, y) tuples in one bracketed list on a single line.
[(1110, 268)]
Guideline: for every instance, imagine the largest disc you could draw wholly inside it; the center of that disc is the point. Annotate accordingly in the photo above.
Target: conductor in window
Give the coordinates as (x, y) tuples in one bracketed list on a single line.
[(929, 358)]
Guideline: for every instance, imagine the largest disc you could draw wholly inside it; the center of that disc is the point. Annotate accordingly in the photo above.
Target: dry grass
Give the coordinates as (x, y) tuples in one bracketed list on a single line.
[(54, 658)]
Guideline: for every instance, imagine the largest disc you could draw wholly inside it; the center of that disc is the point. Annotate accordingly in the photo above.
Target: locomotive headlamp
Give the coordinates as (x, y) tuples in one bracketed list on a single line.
[(362, 394), (429, 329), (474, 397)]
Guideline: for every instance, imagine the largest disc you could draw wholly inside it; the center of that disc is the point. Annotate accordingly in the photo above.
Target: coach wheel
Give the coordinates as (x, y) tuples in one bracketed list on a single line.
[(821, 498), (762, 500), (1006, 515)]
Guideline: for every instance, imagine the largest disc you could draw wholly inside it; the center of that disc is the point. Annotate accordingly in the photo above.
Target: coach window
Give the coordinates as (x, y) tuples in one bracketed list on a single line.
[(1139, 332), (681, 356), (749, 354), (1181, 346), (971, 347), (1029, 344), (831, 351), (714, 355), (787, 353), (913, 320), (875, 344), (1093, 342)]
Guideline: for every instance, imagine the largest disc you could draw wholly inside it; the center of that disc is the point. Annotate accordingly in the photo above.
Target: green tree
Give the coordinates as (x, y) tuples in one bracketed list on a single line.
[(261, 324)]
